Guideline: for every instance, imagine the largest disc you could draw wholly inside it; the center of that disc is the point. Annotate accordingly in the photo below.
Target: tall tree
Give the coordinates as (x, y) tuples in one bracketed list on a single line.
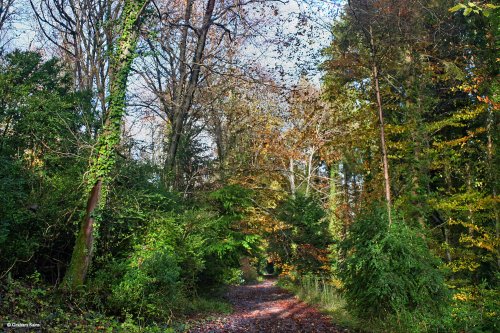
[(104, 157), (83, 33), (438, 80), (7, 14), (195, 49), (364, 14)]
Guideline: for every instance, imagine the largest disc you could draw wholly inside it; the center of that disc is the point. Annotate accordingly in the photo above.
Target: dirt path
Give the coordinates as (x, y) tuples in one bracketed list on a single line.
[(268, 309)]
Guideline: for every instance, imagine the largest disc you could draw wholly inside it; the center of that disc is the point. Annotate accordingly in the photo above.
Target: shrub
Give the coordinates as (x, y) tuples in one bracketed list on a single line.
[(149, 287), (40, 117), (390, 277), (22, 299), (177, 253)]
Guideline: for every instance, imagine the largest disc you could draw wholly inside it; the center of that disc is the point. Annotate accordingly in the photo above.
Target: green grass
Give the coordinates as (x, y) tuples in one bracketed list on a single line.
[(207, 306), (323, 294)]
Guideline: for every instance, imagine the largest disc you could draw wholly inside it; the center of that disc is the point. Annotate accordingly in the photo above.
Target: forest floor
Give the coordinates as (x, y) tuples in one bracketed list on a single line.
[(266, 308)]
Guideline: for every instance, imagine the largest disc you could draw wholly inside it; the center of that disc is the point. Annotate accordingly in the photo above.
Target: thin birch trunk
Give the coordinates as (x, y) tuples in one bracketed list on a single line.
[(385, 162)]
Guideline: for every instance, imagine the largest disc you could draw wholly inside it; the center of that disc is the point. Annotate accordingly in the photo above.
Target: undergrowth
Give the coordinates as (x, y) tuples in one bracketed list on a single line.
[(30, 301), (322, 293)]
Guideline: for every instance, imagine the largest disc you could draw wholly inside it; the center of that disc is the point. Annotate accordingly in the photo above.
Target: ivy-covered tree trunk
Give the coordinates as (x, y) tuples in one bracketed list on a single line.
[(104, 159)]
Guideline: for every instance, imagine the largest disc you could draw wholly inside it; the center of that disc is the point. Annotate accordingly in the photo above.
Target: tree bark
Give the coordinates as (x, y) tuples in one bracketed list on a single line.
[(185, 93), (103, 161), (385, 162), (291, 177), (493, 174), (309, 169)]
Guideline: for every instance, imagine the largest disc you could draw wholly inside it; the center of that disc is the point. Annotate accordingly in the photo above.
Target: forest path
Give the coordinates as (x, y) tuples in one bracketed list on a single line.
[(266, 308)]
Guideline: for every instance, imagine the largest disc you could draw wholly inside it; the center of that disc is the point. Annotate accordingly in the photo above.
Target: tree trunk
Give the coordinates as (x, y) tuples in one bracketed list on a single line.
[(334, 225), (385, 162), (346, 211), (185, 94), (492, 174), (291, 177), (309, 170), (103, 161), (446, 232), (83, 250)]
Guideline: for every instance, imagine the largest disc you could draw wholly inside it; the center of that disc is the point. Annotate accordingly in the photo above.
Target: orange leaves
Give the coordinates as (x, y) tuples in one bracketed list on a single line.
[(487, 100)]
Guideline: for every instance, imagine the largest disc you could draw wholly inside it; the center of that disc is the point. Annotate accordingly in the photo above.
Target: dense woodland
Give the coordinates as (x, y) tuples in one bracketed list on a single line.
[(149, 158)]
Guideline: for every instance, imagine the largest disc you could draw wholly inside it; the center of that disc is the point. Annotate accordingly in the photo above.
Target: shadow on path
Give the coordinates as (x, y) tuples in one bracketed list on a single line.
[(267, 308)]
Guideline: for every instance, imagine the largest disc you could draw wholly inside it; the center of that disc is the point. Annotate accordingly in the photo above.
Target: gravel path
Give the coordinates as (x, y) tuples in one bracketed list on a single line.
[(266, 308)]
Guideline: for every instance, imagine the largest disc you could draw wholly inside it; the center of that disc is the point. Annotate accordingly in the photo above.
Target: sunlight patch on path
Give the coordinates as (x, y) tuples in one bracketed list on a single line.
[(266, 308)]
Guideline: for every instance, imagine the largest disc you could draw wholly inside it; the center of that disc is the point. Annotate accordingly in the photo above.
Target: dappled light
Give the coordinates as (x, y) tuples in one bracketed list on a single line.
[(264, 307)]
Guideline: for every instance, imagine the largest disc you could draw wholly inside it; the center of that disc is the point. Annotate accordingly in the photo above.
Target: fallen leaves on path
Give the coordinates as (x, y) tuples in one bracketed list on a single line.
[(267, 308)]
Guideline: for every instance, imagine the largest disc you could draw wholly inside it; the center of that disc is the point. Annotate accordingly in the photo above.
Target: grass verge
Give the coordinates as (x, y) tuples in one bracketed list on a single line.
[(324, 295)]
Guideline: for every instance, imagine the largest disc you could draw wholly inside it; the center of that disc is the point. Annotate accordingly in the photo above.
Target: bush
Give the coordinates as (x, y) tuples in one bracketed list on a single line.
[(389, 276), (176, 254), (22, 299), (232, 201), (29, 300), (40, 117), (151, 277), (149, 287)]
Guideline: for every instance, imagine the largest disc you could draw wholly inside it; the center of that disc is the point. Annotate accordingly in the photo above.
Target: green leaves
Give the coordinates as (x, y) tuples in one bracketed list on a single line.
[(389, 274), (457, 7), (232, 199), (472, 7), (41, 118), (38, 105), (304, 239)]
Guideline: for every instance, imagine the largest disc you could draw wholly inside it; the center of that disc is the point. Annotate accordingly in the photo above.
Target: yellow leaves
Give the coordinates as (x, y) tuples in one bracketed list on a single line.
[(263, 223), (475, 298), (486, 244), (463, 296), (471, 7), (464, 264), (399, 145), (466, 87), (275, 186), (140, 261), (468, 225), (460, 141), (474, 236), (458, 119), (483, 242), (32, 159), (336, 283), (396, 129), (286, 271), (468, 114), (468, 201)]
